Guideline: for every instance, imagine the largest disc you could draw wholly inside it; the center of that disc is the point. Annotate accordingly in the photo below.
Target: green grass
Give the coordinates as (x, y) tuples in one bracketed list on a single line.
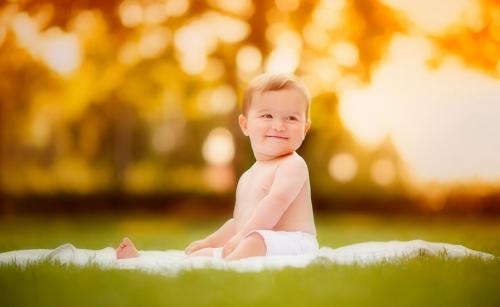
[(424, 281)]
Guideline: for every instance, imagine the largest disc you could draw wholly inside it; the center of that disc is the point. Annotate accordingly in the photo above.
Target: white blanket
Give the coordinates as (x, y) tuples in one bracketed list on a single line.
[(171, 262)]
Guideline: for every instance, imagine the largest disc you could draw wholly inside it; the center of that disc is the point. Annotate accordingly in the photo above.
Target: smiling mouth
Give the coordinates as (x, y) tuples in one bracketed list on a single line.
[(277, 137)]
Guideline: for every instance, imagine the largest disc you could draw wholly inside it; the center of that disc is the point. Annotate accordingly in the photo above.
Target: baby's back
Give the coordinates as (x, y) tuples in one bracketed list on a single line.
[(267, 177)]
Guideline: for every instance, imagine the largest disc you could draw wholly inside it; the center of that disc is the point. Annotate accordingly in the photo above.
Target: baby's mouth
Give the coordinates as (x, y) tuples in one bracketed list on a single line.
[(277, 137)]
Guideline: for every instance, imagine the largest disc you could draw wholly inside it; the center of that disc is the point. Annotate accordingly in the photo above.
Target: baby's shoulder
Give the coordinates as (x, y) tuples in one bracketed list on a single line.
[(246, 174), (295, 162)]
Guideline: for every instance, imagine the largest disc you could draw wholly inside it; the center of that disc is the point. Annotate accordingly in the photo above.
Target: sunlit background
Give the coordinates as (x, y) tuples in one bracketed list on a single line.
[(141, 98)]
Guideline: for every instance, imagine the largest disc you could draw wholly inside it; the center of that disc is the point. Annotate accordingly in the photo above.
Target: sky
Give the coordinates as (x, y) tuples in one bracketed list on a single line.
[(444, 121)]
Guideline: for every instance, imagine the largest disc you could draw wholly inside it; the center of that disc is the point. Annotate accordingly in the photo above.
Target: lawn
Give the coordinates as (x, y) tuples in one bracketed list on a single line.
[(419, 282)]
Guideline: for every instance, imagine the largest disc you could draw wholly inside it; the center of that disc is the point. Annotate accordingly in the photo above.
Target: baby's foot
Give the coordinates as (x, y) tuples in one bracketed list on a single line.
[(126, 249)]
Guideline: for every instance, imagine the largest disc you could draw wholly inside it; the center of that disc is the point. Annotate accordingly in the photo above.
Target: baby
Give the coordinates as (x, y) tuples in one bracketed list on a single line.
[(273, 212)]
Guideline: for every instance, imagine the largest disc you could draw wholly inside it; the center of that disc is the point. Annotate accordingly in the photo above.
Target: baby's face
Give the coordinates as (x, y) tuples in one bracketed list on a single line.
[(276, 123)]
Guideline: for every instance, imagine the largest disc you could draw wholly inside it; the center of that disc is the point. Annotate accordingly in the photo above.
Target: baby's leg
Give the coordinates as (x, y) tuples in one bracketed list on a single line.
[(251, 246), (126, 249)]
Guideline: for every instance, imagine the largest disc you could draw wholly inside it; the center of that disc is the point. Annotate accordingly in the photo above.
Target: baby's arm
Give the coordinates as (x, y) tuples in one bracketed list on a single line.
[(216, 239), (289, 179), (222, 235)]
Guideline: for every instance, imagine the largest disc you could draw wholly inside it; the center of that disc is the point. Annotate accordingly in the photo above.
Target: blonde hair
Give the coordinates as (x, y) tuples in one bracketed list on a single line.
[(274, 82)]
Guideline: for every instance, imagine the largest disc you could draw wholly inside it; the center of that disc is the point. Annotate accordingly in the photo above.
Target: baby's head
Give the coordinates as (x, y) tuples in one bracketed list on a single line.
[(275, 115), (275, 82)]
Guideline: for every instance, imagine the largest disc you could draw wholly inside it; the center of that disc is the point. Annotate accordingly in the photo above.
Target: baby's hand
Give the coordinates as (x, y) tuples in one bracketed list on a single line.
[(196, 245), (231, 245)]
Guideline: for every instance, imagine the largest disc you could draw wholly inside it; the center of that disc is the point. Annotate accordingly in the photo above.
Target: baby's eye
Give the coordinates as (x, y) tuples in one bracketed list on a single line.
[(266, 116), (291, 118)]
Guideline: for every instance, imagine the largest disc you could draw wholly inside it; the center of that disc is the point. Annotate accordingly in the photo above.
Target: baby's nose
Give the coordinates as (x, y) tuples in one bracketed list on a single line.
[(278, 125)]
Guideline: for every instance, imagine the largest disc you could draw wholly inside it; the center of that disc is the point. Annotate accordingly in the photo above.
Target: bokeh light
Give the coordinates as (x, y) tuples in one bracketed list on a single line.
[(131, 13), (220, 100), (176, 8), (249, 59), (282, 60), (218, 148), (342, 167), (345, 53), (61, 51), (383, 172)]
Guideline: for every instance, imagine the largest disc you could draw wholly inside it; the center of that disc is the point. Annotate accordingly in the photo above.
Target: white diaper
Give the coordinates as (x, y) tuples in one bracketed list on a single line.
[(283, 243), (288, 243)]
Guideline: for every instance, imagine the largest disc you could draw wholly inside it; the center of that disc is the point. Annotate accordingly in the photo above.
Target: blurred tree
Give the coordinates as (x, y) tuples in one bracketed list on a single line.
[(120, 96)]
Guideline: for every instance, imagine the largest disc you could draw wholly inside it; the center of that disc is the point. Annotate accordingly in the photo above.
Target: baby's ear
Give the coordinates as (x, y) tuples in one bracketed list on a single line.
[(243, 121), (307, 126)]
